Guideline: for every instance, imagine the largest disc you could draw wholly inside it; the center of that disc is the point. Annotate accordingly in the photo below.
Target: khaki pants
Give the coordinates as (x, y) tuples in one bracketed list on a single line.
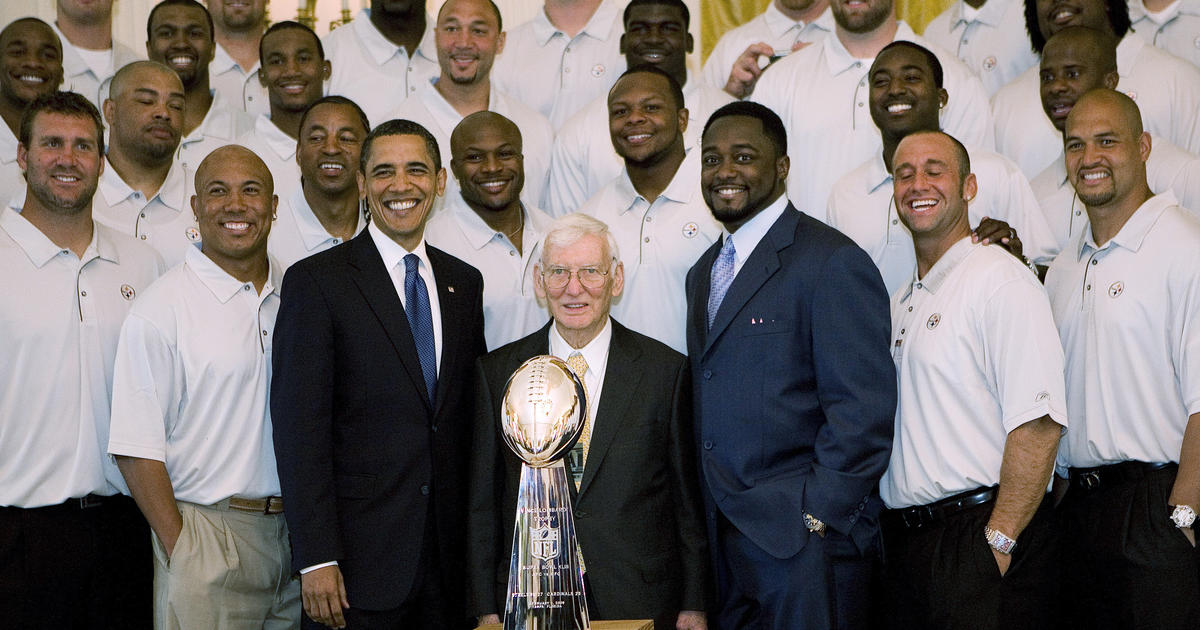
[(229, 570)]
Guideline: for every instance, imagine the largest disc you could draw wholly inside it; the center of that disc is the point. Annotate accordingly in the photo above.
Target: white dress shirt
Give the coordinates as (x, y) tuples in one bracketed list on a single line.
[(976, 357), (393, 260), (991, 40), (821, 93), (510, 306), (298, 233), (747, 238), (1175, 30), (193, 373), (240, 88), (372, 71), (861, 206), (59, 325), (1165, 88), (585, 160), (165, 221), (223, 124), (12, 180), (86, 73), (278, 150), (1126, 313), (658, 243), (436, 114), (596, 355), (558, 75), (1169, 169), (771, 27)]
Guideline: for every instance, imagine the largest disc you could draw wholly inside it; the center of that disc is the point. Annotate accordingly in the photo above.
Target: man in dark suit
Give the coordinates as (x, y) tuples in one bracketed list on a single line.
[(374, 347), (795, 392), (634, 484)]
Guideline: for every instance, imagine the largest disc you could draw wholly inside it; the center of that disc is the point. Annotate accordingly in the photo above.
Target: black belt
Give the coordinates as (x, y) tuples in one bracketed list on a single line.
[(1114, 474), (75, 505), (928, 515)]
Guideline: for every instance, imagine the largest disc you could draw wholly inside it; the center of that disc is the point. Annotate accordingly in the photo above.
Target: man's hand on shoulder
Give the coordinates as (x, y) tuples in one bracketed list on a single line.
[(691, 620), (324, 595)]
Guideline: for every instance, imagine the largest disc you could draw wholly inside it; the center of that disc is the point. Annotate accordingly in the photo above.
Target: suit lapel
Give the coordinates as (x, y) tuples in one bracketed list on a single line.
[(453, 308), (758, 268), (621, 377), (698, 316), (377, 290)]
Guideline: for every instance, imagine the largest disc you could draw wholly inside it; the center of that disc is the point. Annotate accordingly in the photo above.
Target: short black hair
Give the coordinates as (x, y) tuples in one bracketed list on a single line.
[(65, 103), (678, 4), (960, 151), (283, 26), (771, 124), (675, 88), (495, 9), (1118, 20), (180, 3), (401, 127), (935, 66), (337, 100)]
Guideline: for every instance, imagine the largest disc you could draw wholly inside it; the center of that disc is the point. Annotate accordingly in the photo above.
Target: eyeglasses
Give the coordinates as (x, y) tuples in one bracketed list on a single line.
[(560, 277)]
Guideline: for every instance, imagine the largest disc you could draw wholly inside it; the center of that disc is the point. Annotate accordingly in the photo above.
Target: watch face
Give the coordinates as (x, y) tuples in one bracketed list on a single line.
[(1183, 516)]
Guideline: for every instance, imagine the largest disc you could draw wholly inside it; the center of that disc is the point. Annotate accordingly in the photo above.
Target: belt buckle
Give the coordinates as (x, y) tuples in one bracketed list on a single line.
[(89, 501), (915, 517), (1090, 480)]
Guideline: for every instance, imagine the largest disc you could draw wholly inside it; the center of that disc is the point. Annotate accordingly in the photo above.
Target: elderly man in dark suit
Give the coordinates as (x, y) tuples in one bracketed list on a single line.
[(795, 392), (637, 505), (374, 347)]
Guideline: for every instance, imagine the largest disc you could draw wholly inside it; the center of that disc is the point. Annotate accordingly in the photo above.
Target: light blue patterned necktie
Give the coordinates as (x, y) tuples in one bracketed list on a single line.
[(721, 278), (420, 321)]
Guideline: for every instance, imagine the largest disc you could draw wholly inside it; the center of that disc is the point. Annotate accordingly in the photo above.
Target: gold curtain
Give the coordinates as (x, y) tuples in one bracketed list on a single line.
[(718, 16)]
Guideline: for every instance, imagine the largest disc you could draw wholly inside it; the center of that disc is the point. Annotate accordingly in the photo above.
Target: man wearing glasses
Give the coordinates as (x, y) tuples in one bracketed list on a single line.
[(634, 490)]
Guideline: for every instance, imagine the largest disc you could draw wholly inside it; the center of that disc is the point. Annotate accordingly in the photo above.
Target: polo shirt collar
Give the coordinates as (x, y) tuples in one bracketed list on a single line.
[(172, 193), (778, 23), (1133, 233), (877, 174), (222, 285), (477, 232), (73, 63), (681, 189), (312, 233), (41, 250), (279, 142), (223, 62), (936, 276), (8, 145), (991, 13), (839, 60), (1128, 50), (601, 26), (380, 48), (218, 121)]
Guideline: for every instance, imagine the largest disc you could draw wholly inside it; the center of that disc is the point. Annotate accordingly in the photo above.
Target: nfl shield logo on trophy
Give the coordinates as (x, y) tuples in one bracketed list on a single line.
[(544, 542)]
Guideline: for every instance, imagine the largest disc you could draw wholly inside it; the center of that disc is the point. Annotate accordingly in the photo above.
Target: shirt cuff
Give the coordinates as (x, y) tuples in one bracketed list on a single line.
[(318, 566)]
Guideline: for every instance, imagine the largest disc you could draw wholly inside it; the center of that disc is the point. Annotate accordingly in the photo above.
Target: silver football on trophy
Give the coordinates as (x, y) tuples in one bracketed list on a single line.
[(543, 410)]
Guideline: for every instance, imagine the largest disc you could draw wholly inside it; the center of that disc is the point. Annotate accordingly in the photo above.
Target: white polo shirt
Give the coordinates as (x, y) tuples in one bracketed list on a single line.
[(222, 125), (1175, 30), (658, 243), (193, 372), (862, 208), (436, 114), (771, 27), (277, 150), (1126, 313), (976, 357), (558, 75), (240, 88), (1165, 88), (991, 40), (298, 233), (59, 325), (12, 180), (165, 221), (822, 93), (1168, 169), (585, 160), (372, 71), (89, 72), (510, 306)]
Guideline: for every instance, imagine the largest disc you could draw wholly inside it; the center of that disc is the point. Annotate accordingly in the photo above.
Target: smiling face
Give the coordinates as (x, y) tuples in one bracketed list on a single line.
[(1072, 65), (181, 40), (30, 61), (904, 97), (860, 16), (401, 185), (234, 205), (741, 172), (657, 35), (145, 116), (488, 164), (1106, 150), (1056, 15), (468, 39), (644, 121), (930, 191), (329, 148), (580, 312), (237, 15), (292, 69), (62, 163)]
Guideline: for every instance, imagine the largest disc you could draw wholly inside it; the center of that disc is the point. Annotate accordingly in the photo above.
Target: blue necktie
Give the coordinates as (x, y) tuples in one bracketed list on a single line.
[(420, 321), (720, 279)]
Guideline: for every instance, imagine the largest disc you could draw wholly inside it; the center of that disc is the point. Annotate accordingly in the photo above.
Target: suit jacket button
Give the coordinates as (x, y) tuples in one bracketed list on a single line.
[(581, 515), (435, 428), (708, 445), (707, 374), (425, 489)]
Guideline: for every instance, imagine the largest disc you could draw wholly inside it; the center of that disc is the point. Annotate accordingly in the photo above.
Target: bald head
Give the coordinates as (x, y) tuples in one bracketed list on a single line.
[(1098, 48), (1106, 152), (1118, 109), (234, 206), (133, 74), (472, 125), (243, 160), (486, 158)]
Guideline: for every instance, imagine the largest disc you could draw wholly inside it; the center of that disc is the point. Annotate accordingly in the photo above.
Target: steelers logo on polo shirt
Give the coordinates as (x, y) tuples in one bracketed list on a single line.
[(128, 292)]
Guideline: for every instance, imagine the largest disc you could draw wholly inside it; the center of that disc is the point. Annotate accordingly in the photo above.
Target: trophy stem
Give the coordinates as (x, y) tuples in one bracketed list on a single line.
[(545, 579)]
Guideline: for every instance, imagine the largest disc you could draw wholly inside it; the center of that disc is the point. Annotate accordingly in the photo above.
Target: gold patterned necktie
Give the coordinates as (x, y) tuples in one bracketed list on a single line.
[(579, 366)]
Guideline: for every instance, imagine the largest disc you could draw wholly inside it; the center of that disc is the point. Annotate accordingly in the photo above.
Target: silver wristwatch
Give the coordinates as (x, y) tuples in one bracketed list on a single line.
[(1183, 516), (999, 541)]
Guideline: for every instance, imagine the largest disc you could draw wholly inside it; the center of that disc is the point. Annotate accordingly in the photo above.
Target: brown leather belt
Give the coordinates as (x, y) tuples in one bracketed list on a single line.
[(269, 505)]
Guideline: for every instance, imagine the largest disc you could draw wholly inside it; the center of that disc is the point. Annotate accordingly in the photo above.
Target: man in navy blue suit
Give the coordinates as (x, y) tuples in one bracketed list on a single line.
[(795, 391)]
